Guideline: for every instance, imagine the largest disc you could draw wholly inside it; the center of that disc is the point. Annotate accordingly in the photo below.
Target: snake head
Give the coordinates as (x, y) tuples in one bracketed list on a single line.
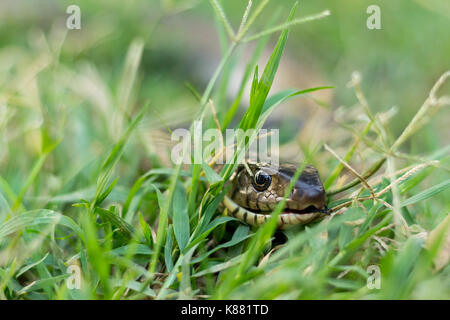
[(260, 187)]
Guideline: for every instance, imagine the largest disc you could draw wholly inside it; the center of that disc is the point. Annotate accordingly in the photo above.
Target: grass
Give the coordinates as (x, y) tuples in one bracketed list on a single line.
[(75, 189)]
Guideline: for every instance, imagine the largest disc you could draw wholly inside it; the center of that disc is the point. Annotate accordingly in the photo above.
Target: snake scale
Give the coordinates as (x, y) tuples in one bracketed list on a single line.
[(257, 188)]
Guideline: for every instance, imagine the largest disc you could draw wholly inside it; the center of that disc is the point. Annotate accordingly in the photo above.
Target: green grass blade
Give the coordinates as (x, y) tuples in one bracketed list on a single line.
[(180, 217), (428, 193), (111, 161)]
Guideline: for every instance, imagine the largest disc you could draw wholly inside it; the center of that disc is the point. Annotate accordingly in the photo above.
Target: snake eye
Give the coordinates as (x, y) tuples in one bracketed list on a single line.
[(261, 180)]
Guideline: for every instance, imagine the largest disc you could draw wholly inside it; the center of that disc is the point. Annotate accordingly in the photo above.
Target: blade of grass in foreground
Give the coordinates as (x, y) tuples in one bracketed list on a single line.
[(258, 94), (180, 216), (248, 70), (163, 220), (103, 186), (271, 103), (35, 218), (96, 253), (196, 168)]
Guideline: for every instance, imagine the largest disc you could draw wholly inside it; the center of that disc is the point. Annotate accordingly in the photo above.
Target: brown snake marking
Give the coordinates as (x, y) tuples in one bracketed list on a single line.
[(252, 198)]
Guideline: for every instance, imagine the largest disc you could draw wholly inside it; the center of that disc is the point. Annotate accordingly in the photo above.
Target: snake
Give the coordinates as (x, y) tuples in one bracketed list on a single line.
[(257, 189)]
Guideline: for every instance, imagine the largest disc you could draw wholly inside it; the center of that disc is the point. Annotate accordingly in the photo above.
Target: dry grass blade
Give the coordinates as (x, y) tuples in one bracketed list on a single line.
[(407, 175), (363, 181), (377, 195)]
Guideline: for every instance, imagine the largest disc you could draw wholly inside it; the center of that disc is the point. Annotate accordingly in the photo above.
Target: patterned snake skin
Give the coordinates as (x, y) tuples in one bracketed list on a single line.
[(254, 196)]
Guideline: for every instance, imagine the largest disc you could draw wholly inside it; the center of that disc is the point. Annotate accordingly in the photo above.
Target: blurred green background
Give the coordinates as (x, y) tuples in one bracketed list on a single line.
[(56, 82), (398, 63)]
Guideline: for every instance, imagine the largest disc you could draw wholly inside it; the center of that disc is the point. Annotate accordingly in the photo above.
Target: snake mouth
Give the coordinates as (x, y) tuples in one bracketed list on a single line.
[(288, 217), (310, 209)]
